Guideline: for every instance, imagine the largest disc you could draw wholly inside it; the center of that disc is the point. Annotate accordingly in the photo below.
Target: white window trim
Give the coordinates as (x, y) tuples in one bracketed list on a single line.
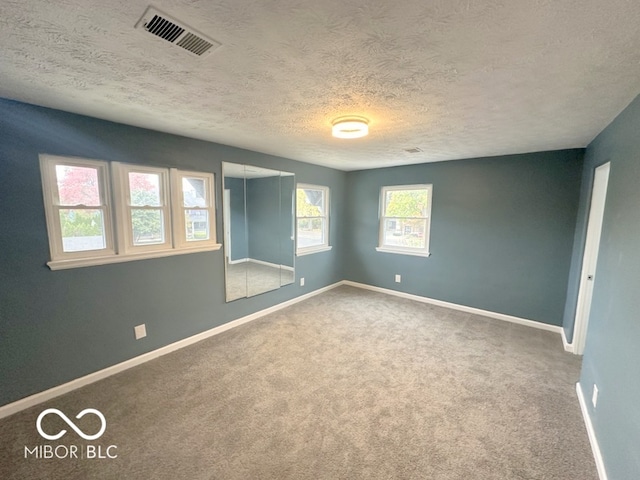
[(418, 252), (309, 250), (325, 247), (116, 206), (120, 172), (178, 210)]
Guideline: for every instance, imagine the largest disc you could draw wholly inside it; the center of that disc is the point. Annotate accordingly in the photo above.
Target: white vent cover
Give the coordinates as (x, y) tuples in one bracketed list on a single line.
[(176, 33)]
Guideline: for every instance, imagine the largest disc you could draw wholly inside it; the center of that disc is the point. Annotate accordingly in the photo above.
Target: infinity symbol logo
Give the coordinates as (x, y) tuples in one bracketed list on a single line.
[(71, 424)]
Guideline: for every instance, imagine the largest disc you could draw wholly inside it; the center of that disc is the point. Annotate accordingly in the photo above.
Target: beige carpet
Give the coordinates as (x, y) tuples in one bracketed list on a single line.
[(349, 384)]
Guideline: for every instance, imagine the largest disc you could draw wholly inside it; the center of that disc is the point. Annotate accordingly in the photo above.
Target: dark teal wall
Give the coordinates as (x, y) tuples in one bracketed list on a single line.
[(502, 232), (612, 354), (57, 326)]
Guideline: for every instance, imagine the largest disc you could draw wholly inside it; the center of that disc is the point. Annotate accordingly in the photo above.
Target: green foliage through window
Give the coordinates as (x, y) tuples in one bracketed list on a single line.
[(406, 203)]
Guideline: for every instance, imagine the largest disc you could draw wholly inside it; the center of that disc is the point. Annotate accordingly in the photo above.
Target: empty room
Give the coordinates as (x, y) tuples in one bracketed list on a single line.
[(319, 240)]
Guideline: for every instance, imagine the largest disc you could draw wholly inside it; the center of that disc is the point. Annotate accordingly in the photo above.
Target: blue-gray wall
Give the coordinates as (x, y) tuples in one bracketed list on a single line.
[(612, 354), (501, 232), (57, 326)]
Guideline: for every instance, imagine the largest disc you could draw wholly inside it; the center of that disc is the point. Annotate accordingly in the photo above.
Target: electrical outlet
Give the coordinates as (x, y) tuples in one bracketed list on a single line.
[(302, 282), (140, 331), (398, 278), (594, 398)]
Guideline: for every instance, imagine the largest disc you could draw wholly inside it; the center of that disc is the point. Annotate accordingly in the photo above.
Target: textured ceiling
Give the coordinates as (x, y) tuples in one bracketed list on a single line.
[(456, 79)]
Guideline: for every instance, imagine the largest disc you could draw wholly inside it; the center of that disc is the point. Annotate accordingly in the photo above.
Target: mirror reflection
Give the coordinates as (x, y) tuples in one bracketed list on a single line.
[(259, 239)]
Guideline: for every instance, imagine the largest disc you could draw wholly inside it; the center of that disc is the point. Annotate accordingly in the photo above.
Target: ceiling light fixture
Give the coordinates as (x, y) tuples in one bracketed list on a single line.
[(350, 127)]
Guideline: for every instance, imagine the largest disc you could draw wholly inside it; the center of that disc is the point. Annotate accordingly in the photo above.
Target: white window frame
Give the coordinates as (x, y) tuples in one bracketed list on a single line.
[(115, 204), (124, 208), (48, 164), (178, 209), (326, 220), (421, 252)]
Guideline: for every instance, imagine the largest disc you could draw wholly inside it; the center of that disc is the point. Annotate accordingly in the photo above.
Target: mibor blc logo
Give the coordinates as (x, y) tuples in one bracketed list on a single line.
[(71, 424), (73, 451)]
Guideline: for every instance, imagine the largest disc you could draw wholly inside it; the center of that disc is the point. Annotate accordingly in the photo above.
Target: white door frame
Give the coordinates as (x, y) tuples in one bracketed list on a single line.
[(226, 218), (590, 257)]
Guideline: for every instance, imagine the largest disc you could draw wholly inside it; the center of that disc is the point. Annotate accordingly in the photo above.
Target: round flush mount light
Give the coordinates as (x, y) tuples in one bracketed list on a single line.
[(350, 127)]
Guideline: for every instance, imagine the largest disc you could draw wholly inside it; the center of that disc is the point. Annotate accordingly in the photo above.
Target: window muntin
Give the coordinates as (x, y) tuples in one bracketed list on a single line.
[(312, 218), (77, 207), (405, 217), (159, 211)]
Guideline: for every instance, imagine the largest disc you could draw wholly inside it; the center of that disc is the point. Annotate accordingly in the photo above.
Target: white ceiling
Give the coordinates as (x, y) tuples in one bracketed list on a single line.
[(455, 78)]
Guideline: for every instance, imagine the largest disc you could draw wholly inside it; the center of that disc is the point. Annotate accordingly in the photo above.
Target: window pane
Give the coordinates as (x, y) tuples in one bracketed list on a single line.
[(145, 189), (310, 232), (197, 225), (406, 203), (148, 226), (194, 192), (78, 185), (404, 232), (82, 230), (310, 202)]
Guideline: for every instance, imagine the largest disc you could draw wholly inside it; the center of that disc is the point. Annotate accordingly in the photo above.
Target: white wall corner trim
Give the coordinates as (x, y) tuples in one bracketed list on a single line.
[(568, 347), (462, 308), (37, 398), (595, 448)]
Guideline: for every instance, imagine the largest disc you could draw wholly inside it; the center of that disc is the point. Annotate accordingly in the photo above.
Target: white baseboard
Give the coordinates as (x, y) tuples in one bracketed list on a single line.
[(595, 448), (269, 264), (239, 260), (568, 347), (462, 308), (35, 399), (24, 403)]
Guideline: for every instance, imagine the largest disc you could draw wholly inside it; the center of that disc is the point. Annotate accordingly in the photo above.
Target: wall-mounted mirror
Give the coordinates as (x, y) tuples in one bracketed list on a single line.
[(259, 222)]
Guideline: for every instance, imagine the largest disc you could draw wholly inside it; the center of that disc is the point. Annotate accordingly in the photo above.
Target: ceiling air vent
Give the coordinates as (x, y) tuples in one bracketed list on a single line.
[(176, 33)]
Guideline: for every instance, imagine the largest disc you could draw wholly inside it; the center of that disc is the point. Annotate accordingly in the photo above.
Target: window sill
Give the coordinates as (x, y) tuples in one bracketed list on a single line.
[(107, 259), (309, 251), (403, 252)]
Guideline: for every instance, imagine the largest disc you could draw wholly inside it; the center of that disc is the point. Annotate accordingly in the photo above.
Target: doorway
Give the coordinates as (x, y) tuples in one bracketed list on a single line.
[(590, 258)]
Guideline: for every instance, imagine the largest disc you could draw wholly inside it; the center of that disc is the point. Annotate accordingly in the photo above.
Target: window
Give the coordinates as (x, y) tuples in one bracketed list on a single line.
[(405, 219), (312, 219), (159, 211), (143, 200), (77, 207), (194, 211)]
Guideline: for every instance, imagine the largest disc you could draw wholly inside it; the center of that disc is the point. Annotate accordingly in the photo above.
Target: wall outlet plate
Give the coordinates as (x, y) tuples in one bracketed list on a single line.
[(594, 398), (140, 331), (398, 278), (302, 282)]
